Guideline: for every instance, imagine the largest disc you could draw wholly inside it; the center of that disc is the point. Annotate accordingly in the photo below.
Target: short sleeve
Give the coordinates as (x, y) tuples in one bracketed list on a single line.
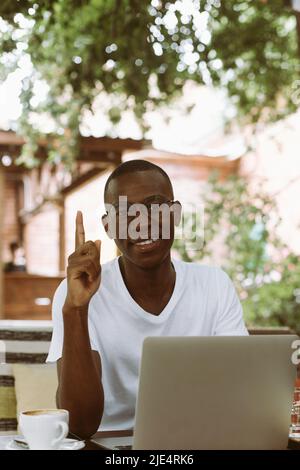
[(230, 321), (56, 345)]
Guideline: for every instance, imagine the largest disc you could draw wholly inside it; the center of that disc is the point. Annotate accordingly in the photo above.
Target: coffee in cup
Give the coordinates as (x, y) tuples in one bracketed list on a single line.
[(44, 429)]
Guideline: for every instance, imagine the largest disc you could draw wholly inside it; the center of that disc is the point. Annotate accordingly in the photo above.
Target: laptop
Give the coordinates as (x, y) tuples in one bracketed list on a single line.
[(213, 393)]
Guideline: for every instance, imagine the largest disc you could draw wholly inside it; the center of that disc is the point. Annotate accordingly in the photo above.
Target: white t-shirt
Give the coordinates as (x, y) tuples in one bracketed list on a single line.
[(203, 303)]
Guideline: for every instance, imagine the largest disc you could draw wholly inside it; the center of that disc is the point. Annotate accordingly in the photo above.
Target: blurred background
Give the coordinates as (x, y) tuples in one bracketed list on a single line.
[(209, 90)]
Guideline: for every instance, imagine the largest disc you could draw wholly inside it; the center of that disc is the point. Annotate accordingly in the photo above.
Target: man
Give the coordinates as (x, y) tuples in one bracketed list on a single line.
[(17, 263), (102, 315)]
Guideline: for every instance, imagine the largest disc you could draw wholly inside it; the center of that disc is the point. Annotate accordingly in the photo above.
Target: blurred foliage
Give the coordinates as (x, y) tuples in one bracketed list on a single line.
[(240, 235), (141, 53)]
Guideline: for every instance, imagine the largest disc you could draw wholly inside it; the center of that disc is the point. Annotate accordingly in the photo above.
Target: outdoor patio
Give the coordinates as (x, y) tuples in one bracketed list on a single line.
[(207, 91)]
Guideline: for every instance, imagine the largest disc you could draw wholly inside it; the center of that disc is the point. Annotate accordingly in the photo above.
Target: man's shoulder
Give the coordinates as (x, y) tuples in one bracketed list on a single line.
[(199, 270), (208, 279)]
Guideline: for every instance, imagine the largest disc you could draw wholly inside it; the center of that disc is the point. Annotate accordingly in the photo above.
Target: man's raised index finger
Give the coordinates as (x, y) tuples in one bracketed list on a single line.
[(79, 233)]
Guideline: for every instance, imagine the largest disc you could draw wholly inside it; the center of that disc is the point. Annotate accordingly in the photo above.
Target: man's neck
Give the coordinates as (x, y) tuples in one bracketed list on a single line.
[(144, 282)]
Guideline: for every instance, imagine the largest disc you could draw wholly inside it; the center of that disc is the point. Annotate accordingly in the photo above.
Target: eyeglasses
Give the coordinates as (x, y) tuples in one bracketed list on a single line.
[(125, 208)]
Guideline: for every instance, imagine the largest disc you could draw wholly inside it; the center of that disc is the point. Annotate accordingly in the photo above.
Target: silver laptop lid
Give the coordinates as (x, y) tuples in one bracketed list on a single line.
[(215, 393)]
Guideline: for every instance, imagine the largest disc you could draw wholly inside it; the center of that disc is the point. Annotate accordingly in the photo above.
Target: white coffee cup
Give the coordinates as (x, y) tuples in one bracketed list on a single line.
[(44, 429)]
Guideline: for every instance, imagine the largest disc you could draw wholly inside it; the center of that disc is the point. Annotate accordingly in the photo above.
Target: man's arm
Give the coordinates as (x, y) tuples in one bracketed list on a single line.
[(80, 388)]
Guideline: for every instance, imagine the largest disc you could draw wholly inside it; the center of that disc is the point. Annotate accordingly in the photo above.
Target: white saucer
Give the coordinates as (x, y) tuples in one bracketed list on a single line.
[(67, 444)]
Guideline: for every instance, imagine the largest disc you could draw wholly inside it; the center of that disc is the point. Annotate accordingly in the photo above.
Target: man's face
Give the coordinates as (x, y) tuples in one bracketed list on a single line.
[(142, 187)]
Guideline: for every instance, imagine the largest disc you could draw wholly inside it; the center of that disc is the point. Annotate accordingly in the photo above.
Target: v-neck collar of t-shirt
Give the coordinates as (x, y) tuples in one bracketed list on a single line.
[(136, 309)]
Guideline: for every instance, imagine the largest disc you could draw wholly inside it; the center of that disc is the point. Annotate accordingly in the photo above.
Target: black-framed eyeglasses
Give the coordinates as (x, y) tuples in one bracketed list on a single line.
[(126, 208)]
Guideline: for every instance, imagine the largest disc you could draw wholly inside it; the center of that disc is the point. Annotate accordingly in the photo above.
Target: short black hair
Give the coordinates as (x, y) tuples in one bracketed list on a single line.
[(133, 166), (13, 246)]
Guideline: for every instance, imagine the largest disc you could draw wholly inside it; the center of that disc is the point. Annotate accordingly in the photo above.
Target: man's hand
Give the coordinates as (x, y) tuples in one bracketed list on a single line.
[(83, 272)]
